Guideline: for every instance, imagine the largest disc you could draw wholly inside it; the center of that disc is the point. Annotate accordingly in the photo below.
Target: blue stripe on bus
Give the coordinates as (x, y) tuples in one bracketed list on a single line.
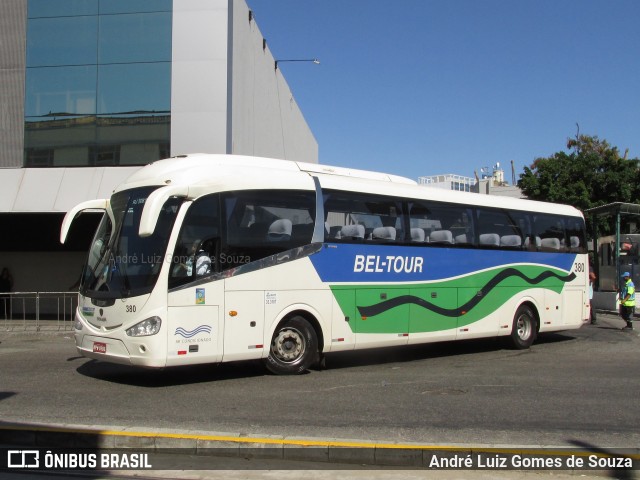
[(387, 263)]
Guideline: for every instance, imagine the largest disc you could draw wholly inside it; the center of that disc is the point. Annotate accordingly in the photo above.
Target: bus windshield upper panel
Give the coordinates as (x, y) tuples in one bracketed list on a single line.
[(121, 263)]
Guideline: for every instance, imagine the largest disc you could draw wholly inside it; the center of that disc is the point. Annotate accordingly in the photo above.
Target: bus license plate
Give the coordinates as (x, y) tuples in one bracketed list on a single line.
[(99, 347)]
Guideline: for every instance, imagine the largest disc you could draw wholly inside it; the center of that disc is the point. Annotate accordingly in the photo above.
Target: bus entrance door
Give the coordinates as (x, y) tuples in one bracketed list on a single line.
[(194, 333)]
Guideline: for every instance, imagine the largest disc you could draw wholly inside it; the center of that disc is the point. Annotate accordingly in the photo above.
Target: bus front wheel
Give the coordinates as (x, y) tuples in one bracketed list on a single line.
[(294, 347), (523, 332)]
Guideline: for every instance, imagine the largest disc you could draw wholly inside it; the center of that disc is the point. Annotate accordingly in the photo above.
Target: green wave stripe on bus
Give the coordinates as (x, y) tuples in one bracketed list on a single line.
[(435, 306)]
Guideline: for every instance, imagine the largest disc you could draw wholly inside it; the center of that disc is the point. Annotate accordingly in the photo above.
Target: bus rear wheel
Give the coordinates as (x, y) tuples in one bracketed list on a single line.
[(294, 347), (523, 331)]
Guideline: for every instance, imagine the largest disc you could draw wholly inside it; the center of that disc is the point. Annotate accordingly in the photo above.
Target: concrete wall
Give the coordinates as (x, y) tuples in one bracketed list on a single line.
[(265, 118), (56, 189), (13, 25), (199, 76)]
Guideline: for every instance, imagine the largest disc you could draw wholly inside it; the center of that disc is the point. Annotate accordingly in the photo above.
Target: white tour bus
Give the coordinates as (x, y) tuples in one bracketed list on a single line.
[(217, 258)]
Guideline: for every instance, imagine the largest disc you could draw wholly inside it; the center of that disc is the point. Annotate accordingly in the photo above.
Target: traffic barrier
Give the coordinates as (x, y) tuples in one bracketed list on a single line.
[(38, 311)]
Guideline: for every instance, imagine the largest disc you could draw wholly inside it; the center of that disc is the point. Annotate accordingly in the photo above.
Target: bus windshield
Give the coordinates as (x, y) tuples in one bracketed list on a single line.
[(121, 263)]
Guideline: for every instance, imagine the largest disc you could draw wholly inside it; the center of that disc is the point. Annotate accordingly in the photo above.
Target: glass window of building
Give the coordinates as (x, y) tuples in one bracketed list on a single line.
[(62, 41), (62, 8), (135, 38), (134, 6), (98, 82), (135, 87)]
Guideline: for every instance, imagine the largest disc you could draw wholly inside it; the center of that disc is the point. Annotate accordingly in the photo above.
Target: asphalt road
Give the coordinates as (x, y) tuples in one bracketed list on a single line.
[(578, 388)]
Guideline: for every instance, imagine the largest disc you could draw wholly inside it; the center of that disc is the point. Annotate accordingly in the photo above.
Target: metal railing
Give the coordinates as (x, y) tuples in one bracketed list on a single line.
[(37, 311)]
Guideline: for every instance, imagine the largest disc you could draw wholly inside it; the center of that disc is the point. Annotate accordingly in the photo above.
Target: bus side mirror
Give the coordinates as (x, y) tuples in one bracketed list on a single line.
[(99, 204), (153, 207)]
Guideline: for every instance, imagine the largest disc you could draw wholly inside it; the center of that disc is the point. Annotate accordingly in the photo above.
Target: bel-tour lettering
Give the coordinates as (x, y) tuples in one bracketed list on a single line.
[(388, 263)]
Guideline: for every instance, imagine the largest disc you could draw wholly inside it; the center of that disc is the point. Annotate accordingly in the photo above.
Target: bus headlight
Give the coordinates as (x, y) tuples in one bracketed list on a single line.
[(147, 327), (77, 324)]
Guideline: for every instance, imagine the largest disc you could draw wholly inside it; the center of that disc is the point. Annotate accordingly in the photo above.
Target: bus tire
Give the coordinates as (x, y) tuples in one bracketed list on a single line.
[(523, 331), (294, 347)]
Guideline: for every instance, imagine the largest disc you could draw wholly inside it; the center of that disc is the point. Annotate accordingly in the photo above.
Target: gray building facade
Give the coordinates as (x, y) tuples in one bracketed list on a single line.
[(90, 90)]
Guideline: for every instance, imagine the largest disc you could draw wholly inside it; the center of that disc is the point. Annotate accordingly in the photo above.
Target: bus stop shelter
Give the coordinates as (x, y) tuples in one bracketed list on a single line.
[(618, 211)]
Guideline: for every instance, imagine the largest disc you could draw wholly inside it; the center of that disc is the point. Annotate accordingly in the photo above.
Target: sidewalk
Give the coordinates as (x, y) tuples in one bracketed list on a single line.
[(191, 455)]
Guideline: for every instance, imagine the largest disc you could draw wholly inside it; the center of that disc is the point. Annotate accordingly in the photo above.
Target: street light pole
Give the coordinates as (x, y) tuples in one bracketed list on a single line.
[(312, 60)]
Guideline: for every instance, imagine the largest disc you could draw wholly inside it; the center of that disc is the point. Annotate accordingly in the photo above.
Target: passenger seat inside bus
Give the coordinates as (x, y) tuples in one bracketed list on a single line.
[(574, 242), (551, 243), (510, 241), (280, 231), (461, 239), (351, 232), (441, 236), (490, 239), (417, 235), (383, 233)]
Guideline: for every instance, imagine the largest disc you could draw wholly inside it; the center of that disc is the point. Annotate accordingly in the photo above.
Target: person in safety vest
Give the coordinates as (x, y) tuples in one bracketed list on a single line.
[(627, 300), (592, 281)]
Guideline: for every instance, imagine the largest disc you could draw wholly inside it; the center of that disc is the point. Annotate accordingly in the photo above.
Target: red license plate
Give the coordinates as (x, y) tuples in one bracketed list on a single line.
[(99, 347)]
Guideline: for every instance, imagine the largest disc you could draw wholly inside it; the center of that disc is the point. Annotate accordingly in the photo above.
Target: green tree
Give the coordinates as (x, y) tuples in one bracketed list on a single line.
[(593, 174)]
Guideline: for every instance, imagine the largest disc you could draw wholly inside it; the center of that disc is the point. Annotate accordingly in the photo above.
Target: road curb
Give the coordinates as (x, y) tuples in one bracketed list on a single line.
[(331, 451)]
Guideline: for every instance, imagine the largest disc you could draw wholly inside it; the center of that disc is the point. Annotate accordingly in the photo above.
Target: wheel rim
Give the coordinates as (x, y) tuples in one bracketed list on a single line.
[(289, 345), (523, 327)]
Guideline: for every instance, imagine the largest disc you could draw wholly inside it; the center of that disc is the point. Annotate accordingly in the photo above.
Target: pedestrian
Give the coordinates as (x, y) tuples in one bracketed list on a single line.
[(6, 285), (627, 300), (592, 281)]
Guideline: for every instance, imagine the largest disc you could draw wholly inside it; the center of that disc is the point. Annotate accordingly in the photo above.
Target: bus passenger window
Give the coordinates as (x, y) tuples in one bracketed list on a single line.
[(552, 233), (197, 251), (443, 223), (501, 228), (356, 217)]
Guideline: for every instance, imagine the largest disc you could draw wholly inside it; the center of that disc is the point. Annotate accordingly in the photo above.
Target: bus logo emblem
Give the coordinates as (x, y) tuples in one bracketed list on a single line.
[(200, 298), (191, 333)]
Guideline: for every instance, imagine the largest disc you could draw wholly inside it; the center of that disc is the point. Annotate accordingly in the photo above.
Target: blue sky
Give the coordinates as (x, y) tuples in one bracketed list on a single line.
[(425, 87)]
